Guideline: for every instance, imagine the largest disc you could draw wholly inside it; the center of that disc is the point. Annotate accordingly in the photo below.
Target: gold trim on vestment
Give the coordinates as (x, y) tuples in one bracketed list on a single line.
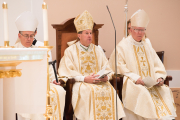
[(162, 100), (59, 107), (112, 90), (137, 60), (78, 96), (125, 81), (93, 101), (154, 104), (78, 57), (96, 61), (147, 62)]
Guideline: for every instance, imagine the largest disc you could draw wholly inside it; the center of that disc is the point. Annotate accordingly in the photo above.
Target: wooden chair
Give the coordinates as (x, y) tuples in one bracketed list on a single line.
[(161, 56), (66, 32)]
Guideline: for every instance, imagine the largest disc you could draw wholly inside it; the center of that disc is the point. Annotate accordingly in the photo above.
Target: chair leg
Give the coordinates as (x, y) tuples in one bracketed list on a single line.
[(68, 106)]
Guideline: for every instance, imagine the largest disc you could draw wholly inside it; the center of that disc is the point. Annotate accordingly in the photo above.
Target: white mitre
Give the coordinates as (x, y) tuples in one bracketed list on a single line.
[(26, 21), (140, 19)]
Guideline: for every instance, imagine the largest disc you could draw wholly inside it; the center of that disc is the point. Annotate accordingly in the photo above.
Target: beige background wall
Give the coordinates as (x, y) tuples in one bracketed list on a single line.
[(162, 30)]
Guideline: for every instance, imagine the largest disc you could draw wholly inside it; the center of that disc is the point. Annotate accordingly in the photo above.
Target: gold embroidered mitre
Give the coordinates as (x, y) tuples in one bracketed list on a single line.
[(139, 19), (84, 21)]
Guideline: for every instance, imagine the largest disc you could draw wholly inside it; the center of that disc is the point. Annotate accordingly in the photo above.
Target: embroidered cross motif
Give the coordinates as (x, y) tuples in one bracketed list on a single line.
[(143, 61)]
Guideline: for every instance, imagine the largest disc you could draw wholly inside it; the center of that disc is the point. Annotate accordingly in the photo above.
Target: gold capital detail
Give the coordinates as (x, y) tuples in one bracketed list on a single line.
[(46, 43), (6, 43), (44, 6), (10, 73), (4, 6)]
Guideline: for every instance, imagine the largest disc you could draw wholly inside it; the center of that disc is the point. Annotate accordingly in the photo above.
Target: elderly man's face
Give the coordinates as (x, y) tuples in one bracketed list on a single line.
[(26, 38), (138, 33), (85, 37)]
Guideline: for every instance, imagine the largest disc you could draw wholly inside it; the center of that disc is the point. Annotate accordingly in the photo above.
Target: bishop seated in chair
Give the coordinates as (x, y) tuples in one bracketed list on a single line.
[(26, 24), (137, 61), (92, 98)]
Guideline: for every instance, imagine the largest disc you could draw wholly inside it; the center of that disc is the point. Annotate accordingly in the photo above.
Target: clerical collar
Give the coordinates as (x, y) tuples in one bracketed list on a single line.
[(84, 47), (133, 41)]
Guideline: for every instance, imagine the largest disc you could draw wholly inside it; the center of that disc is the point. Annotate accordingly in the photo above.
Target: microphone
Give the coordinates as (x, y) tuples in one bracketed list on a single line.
[(115, 61)]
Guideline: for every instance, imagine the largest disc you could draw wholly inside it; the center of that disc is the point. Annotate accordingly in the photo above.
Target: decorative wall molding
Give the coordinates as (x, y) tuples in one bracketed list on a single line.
[(10, 73)]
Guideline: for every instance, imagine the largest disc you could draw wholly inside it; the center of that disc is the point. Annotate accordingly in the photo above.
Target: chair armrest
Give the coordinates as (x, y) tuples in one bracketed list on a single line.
[(62, 83), (168, 78), (119, 84), (71, 81)]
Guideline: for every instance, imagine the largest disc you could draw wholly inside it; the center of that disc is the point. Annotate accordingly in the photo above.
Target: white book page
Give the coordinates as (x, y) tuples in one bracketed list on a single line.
[(101, 72), (149, 82)]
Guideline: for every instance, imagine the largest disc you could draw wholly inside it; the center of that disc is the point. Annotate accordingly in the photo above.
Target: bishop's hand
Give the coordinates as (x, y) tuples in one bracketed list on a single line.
[(161, 82), (92, 79), (59, 83), (104, 79), (139, 81)]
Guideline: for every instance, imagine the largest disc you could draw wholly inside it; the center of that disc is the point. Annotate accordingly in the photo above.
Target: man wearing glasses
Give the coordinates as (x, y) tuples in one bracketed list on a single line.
[(26, 36), (138, 61), (27, 24)]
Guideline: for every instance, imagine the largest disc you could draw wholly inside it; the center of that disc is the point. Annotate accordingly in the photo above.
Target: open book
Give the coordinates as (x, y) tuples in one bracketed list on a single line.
[(149, 82), (102, 73)]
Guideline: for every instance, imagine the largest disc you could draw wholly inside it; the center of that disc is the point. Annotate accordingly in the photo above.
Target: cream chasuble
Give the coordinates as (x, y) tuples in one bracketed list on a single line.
[(57, 96), (135, 60), (90, 101)]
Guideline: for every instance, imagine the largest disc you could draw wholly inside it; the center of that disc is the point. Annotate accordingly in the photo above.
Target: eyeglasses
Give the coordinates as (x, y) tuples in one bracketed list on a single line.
[(27, 36), (138, 30)]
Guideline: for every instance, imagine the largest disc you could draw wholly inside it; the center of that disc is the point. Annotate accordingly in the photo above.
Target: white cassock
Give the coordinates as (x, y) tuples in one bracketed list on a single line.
[(135, 60), (89, 101), (57, 97)]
